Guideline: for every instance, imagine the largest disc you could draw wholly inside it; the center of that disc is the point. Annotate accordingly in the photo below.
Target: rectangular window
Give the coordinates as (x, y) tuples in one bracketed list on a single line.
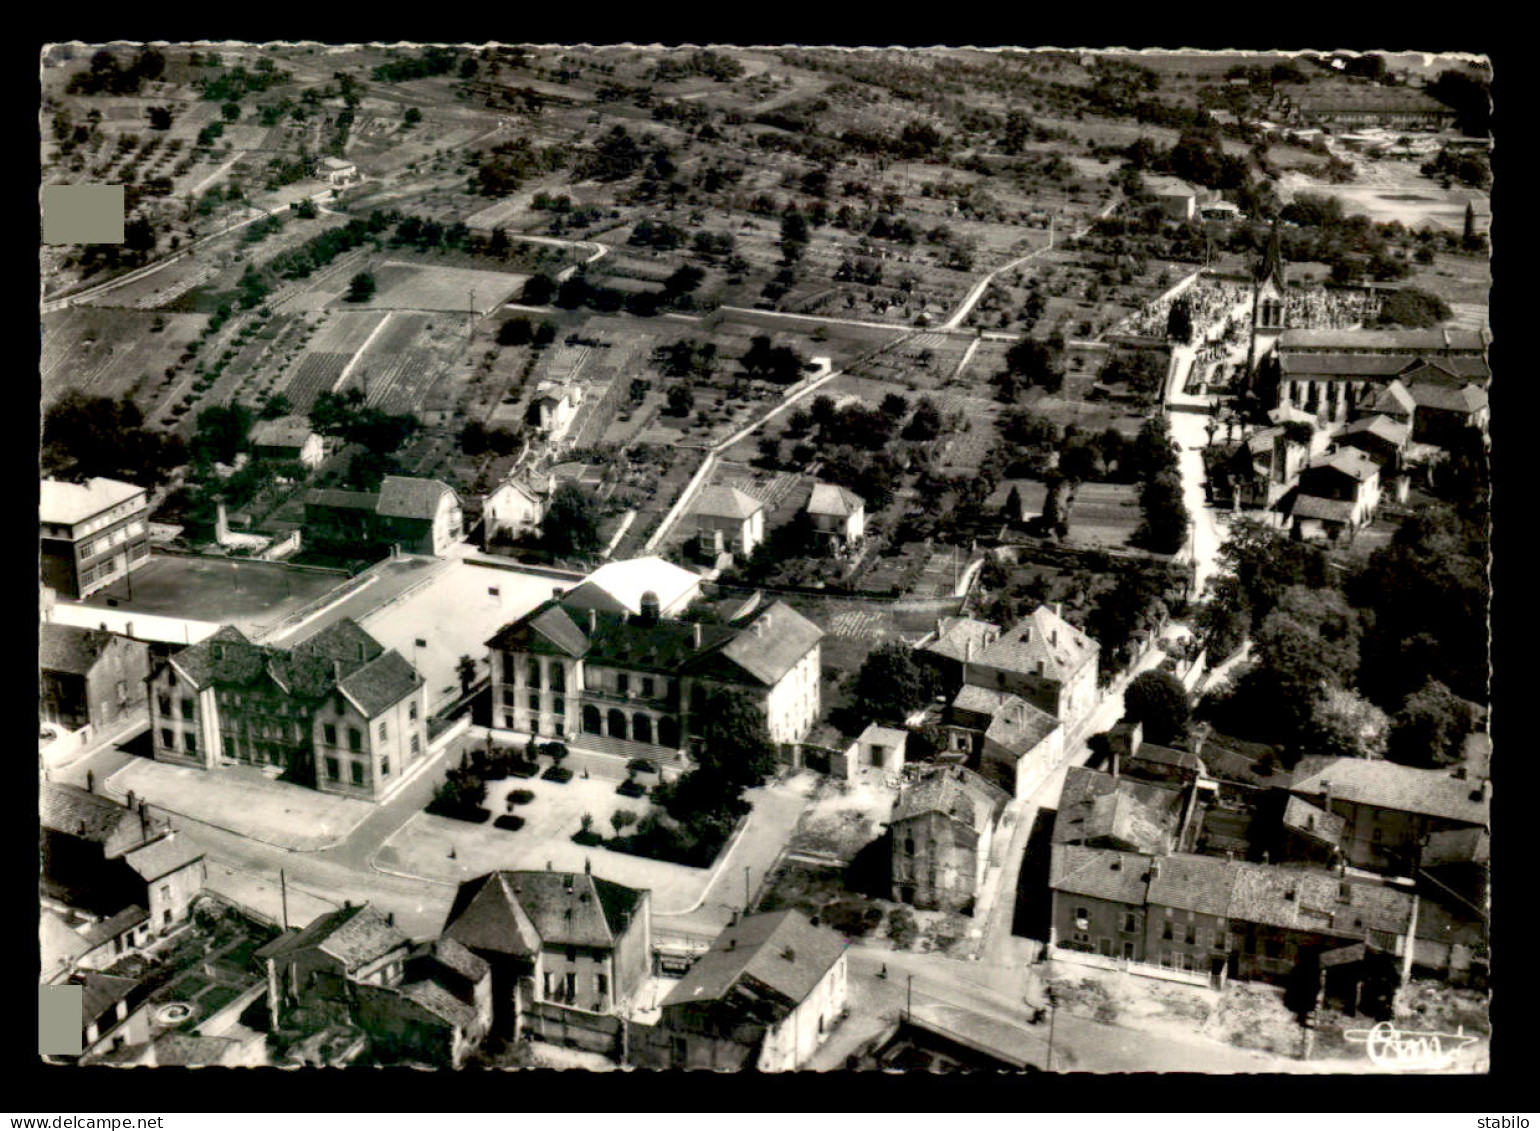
[(507, 722), (333, 769), (508, 698), (411, 711), (187, 708), (384, 767), (1165, 931), (190, 740), (165, 704), (384, 730), (534, 673), (601, 984), (560, 706), (358, 772), (649, 687), (534, 703), (355, 739), (1192, 934), (330, 731), (167, 738), (508, 668), (572, 954), (560, 730), (416, 744), (623, 683), (570, 986), (1130, 923)]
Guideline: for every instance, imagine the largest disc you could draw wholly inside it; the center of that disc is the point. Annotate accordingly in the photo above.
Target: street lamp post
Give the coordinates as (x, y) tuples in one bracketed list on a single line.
[(1053, 1009)]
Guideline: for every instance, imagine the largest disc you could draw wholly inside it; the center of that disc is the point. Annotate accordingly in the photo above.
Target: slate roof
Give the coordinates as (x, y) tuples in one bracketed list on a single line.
[(549, 627), (1385, 428), (60, 944), (355, 936), (110, 928), (1102, 873), (719, 501), (1303, 817), (338, 499), (983, 700), (170, 853), (404, 497), (440, 1002), (519, 912), (1347, 461), (772, 644), (1311, 506), (1469, 399), (65, 648), (1276, 896), (174, 1049), (1095, 805), (284, 432), (956, 632), (834, 501), (1298, 366), (1018, 726), (1158, 755), (1406, 341), (1393, 398), (1192, 883), (79, 813), (781, 950), (1044, 636), (954, 792), (381, 684), (309, 670), (68, 503), (1386, 785), (1447, 370), (457, 957), (102, 992)]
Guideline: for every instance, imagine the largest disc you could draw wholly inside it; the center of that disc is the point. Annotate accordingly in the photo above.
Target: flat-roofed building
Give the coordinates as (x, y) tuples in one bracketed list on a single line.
[(92, 533)]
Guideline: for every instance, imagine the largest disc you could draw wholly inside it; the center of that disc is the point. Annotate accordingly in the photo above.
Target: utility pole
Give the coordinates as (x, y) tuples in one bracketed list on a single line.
[(283, 887), (1053, 1009)]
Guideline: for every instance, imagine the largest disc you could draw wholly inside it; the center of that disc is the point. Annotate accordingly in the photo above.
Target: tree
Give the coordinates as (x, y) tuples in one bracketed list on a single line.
[(465, 670), (1179, 321), (681, 399), (1343, 724), (1415, 308), (571, 525), (361, 287), (538, 289), (1430, 727), (622, 819), (515, 332), (1159, 702), (925, 424), (412, 116), (221, 433), (735, 747), (891, 685), (1165, 523)]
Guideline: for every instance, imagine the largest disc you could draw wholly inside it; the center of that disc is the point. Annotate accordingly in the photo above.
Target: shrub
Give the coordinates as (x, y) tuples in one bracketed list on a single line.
[(558, 774), (509, 823), (631, 788), (901, 927), (520, 797), (587, 838)]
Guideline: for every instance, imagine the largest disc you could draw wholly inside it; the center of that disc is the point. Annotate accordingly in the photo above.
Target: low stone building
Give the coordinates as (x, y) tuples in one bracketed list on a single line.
[(90, 677)]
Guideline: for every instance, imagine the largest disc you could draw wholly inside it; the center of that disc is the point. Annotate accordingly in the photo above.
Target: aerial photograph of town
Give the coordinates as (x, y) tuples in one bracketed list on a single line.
[(774, 559)]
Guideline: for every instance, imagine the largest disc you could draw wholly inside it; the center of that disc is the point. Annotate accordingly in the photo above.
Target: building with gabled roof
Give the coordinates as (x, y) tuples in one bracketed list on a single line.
[(762, 998), (554, 941), (728, 520), (89, 677), (420, 516), (637, 684), (1445, 410), (1045, 660), (1388, 809), (953, 644), (1102, 810), (336, 711), (287, 439), (943, 827), (838, 514), (514, 507), (90, 534), (625, 586)]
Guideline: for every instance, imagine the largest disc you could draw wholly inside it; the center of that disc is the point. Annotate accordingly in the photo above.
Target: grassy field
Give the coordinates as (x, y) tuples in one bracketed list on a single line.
[(1104, 514), (112, 353)]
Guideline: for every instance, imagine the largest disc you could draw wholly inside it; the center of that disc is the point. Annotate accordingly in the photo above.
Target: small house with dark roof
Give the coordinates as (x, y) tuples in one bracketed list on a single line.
[(953, 644), (838, 515), (1380, 438), (728, 520), (437, 1015), (171, 874), (877, 748), (1020, 745), (287, 439), (556, 944), (1388, 809), (1098, 900), (314, 968), (943, 827), (336, 711), (1337, 494), (89, 677), (1045, 660), (1446, 410), (1100, 810), (763, 998), (423, 516)]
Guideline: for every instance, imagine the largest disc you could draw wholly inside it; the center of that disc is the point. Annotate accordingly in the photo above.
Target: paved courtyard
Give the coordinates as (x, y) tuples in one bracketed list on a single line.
[(241, 800)]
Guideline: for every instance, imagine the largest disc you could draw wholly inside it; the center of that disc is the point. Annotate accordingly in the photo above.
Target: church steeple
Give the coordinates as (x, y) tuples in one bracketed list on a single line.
[(1272, 261)]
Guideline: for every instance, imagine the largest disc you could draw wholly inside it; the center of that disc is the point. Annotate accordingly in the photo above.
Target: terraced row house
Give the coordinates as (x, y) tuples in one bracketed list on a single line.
[(337, 712), (638, 683)]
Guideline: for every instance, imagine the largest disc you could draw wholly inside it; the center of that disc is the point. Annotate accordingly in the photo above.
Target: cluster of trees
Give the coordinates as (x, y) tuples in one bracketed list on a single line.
[(88, 436), (1468, 168), (1385, 666), (1138, 600), (433, 61), (1409, 306), (1164, 526), (319, 250), (377, 432), (235, 83), (477, 439), (891, 685), (571, 526), (709, 64), (501, 169), (780, 364), (703, 806), (617, 155), (521, 332), (107, 76)]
